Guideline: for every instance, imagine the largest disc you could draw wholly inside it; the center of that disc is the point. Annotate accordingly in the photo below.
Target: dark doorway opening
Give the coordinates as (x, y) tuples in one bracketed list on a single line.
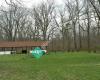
[(24, 51)]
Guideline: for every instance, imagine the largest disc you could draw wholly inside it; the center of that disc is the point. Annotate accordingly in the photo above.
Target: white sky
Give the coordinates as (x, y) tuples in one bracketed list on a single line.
[(30, 3)]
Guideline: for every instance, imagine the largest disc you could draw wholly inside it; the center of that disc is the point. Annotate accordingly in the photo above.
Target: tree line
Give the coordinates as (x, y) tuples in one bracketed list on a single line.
[(73, 26)]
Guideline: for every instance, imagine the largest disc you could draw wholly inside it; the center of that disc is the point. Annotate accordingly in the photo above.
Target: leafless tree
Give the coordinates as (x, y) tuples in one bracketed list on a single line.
[(96, 6), (72, 10), (43, 17), (13, 20)]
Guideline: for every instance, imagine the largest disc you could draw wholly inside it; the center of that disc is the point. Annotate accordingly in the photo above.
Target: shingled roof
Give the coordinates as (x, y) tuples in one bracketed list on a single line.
[(9, 44)]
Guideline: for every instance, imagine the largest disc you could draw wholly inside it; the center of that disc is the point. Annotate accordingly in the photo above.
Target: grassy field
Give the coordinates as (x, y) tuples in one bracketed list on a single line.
[(59, 66)]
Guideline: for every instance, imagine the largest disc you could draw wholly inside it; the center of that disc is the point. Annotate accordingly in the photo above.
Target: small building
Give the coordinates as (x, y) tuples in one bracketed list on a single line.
[(21, 46)]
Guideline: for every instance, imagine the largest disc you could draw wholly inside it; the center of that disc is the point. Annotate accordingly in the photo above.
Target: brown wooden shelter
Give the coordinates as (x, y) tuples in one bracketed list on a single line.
[(20, 46)]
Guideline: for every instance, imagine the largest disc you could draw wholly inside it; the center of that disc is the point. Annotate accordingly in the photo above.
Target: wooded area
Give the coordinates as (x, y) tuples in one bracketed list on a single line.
[(74, 26)]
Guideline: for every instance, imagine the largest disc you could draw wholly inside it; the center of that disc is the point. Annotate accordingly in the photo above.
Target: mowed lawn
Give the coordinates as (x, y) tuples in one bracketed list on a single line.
[(55, 66)]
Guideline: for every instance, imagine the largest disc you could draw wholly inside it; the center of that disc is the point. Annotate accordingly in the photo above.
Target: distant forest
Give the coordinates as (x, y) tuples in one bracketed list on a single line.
[(73, 26)]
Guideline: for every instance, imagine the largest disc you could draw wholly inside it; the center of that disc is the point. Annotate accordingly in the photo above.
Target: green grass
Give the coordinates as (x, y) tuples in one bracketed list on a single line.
[(55, 66)]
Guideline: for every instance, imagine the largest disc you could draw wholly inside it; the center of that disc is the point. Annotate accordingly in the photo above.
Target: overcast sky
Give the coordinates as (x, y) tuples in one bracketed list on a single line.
[(30, 3)]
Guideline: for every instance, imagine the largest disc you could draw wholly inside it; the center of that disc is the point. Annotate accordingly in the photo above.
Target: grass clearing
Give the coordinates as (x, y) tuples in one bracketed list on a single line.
[(55, 66)]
